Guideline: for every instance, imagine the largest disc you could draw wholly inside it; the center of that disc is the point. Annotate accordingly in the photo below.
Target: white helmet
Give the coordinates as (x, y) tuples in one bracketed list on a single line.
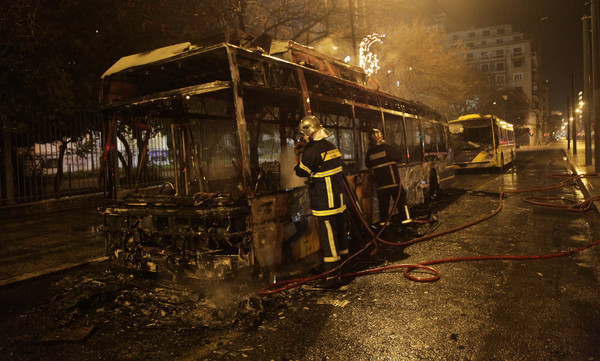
[(308, 125), (375, 136)]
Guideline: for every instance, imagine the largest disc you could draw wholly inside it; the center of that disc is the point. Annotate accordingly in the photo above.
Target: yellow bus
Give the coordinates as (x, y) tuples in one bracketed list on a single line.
[(480, 141)]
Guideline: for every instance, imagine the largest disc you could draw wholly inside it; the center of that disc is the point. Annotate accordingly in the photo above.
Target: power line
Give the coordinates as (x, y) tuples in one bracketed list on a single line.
[(420, 8), (444, 10), (431, 16)]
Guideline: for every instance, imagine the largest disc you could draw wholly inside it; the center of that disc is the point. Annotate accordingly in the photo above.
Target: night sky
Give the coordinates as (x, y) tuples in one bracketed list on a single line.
[(558, 23)]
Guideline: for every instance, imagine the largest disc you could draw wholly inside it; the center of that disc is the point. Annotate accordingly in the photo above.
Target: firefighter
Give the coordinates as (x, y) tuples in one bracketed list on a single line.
[(321, 162), (382, 159)]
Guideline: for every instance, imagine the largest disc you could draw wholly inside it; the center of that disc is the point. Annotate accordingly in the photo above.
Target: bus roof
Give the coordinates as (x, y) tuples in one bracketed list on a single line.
[(501, 123), (474, 116), (287, 50), (147, 57)]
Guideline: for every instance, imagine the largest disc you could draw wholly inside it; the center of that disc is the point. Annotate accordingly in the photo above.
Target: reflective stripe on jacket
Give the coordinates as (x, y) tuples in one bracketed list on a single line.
[(321, 161), (382, 159)]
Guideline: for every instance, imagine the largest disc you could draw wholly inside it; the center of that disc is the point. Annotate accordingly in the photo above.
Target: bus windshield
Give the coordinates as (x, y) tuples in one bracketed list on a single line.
[(471, 134)]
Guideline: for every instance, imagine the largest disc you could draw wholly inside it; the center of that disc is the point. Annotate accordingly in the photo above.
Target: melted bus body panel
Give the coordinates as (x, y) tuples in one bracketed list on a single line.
[(198, 153)]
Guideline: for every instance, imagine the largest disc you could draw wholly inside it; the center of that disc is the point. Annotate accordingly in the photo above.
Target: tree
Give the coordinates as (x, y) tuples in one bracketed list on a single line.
[(416, 65), (50, 59), (53, 53), (510, 104), (304, 21)]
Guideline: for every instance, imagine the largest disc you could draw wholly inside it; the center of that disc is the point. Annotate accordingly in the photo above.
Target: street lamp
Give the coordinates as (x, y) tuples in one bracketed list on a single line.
[(572, 129)]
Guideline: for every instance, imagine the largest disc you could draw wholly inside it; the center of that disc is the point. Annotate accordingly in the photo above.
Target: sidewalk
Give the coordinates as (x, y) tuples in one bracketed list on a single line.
[(34, 245), (590, 185)]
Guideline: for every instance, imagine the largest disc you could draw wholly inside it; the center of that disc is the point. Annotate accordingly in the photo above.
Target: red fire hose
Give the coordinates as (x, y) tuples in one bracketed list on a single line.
[(581, 207)]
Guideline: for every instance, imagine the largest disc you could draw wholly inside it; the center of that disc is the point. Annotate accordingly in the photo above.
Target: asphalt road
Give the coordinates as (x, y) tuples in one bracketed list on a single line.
[(43, 243), (519, 309)]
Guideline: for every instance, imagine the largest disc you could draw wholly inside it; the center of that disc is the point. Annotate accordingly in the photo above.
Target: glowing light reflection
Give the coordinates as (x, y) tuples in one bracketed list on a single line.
[(367, 59)]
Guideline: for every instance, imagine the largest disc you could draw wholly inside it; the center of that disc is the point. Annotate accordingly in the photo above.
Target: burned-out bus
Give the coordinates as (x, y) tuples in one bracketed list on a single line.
[(198, 153)]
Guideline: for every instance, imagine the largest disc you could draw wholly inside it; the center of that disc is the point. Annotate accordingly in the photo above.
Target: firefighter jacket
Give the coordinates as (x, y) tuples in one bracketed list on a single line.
[(382, 159), (321, 162)]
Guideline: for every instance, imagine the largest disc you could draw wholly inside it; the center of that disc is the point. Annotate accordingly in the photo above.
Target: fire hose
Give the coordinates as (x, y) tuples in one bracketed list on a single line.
[(407, 268)]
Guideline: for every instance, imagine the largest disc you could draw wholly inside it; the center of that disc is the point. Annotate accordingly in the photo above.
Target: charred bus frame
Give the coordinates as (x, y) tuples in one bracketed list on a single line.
[(223, 197)]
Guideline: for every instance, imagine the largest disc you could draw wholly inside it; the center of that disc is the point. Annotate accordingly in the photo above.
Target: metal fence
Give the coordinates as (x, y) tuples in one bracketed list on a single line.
[(56, 157), (50, 157)]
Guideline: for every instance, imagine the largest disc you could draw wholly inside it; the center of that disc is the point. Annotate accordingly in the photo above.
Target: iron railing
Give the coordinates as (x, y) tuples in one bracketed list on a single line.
[(55, 157)]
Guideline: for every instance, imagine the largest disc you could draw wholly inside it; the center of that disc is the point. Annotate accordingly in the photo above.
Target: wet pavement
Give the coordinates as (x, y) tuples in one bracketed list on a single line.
[(524, 309), (34, 245), (38, 244), (495, 310)]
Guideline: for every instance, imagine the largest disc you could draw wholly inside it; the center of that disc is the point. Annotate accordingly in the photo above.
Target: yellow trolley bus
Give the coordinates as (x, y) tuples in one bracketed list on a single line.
[(480, 141)]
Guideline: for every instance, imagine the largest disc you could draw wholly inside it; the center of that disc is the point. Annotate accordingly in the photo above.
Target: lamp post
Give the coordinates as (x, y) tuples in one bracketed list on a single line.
[(569, 117), (595, 58), (573, 116), (587, 80)]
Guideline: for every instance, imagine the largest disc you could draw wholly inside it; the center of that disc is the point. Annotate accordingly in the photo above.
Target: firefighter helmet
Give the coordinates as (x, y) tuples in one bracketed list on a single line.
[(375, 135), (308, 125)]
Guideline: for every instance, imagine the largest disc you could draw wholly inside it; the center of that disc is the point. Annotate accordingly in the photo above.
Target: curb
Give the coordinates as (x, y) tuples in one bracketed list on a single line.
[(52, 205), (45, 272), (585, 185)]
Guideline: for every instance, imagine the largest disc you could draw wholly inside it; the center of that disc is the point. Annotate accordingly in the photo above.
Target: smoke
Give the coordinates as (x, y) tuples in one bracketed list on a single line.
[(336, 48), (224, 302), (287, 161)]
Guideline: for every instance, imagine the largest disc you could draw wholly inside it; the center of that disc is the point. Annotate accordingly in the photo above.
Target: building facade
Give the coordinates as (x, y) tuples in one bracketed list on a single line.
[(507, 59)]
